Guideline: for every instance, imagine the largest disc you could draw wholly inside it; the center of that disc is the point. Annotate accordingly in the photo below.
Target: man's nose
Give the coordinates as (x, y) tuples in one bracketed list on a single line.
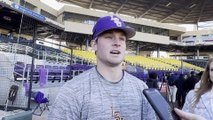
[(116, 45), (116, 42)]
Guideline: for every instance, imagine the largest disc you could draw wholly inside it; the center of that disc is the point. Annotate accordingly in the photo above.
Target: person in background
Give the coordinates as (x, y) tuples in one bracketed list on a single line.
[(191, 81), (152, 80), (200, 101), (181, 89), (172, 89), (163, 83), (105, 92), (10, 34)]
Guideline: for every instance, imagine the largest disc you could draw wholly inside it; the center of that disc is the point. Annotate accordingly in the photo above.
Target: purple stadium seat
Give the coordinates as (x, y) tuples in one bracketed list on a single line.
[(62, 67), (39, 99), (55, 67), (48, 66), (68, 67), (39, 66), (28, 66)]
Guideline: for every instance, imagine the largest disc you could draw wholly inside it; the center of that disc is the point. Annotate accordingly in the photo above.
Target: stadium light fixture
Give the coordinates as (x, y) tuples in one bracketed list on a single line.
[(168, 4), (7, 18), (193, 5)]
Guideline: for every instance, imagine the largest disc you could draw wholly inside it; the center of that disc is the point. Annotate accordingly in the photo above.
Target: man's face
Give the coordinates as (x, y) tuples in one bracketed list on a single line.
[(110, 47), (211, 71)]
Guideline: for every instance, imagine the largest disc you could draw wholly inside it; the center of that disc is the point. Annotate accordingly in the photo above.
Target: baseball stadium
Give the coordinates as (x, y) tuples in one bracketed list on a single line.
[(45, 44)]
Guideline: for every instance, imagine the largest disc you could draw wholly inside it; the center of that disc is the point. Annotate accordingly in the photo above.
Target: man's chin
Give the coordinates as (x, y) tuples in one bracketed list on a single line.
[(115, 64)]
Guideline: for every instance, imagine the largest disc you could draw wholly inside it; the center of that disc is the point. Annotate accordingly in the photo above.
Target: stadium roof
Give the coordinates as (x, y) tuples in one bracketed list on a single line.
[(166, 11), (11, 19)]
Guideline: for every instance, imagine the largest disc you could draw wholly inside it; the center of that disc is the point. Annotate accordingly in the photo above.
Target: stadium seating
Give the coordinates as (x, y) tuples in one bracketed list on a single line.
[(177, 63), (148, 63), (200, 63), (84, 58), (24, 46), (85, 55), (53, 73), (145, 62)]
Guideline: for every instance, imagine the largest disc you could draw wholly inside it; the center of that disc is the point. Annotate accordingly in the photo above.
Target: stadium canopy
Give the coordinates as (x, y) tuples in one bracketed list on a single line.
[(14, 17), (165, 11)]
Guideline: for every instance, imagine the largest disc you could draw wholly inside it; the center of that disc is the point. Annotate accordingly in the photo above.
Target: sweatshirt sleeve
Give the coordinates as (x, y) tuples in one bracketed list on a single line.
[(66, 106)]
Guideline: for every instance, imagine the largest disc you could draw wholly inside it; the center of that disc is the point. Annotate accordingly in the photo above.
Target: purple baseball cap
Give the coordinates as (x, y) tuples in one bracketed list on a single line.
[(109, 23)]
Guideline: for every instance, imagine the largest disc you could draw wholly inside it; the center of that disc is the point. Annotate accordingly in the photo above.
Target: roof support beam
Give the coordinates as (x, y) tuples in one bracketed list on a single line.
[(91, 3), (189, 13), (122, 5), (181, 7), (169, 15), (201, 11), (155, 4)]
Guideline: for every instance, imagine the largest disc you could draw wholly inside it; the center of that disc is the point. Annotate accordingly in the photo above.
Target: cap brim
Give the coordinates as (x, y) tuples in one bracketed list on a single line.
[(130, 32)]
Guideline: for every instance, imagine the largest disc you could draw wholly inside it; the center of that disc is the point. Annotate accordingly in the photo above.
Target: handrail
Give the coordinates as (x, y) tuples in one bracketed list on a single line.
[(27, 50)]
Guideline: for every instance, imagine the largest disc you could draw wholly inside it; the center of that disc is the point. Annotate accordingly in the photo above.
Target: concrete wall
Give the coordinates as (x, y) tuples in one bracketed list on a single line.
[(198, 32), (140, 21), (43, 6), (78, 27), (87, 29), (152, 38)]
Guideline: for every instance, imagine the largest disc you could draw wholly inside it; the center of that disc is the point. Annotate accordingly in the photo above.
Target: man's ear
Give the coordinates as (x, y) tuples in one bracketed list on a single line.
[(94, 45)]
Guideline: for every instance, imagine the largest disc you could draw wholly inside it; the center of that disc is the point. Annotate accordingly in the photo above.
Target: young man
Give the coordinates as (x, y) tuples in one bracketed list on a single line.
[(105, 92)]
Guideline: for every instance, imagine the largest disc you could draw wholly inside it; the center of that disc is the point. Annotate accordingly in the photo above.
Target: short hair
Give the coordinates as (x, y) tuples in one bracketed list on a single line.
[(200, 73), (153, 75), (192, 72)]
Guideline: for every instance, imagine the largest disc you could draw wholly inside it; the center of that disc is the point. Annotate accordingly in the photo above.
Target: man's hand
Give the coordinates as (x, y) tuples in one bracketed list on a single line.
[(188, 116)]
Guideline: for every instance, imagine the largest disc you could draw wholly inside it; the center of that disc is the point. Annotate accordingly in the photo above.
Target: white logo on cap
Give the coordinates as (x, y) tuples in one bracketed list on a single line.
[(116, 21)]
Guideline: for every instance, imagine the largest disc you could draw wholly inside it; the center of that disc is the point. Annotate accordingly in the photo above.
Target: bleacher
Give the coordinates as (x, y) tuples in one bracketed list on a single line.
[(23, 41), (148, 63), (11, 39), (200, 63), (53, 73), (87, 56), (82, 60), (41, 52), (177, 63)]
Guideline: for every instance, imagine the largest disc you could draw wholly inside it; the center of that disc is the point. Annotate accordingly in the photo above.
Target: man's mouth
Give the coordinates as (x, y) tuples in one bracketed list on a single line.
[(115, 52)]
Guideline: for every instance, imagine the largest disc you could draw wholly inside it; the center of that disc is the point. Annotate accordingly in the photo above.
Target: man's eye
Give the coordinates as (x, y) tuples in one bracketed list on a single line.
[(108, 37), (123, 39)]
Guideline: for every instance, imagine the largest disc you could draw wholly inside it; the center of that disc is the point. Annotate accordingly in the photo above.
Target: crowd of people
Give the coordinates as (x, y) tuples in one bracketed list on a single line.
[(177, 87), (194, 91)]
